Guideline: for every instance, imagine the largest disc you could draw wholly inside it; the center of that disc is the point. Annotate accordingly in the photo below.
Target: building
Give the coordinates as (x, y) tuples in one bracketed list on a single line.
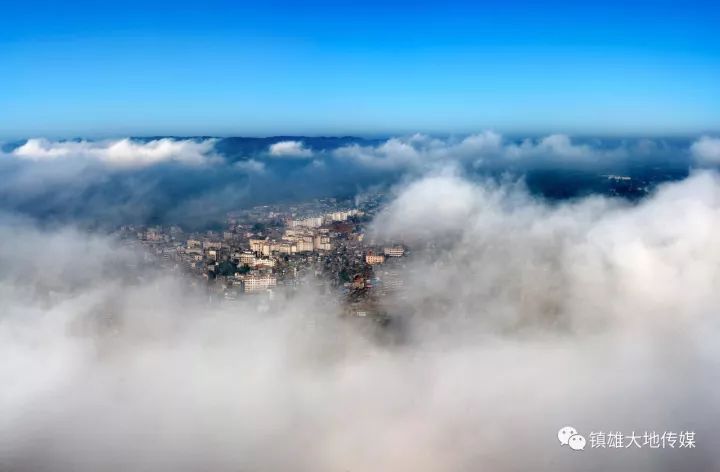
[(342, 215), (282, 247), (246, 258), (373, 259), (268, 247), (312, 222), (256, 245), (211, 244), (322, 243), (305, 244), (394, 251), (258, 283), (264, 262)]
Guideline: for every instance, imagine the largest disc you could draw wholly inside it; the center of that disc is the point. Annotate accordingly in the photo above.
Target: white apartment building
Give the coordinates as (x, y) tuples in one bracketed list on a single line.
[(264, 262), (394, 251), (256, 245), (312, 222), (258, 283), (305, 243), (246, 258), (322, 243)]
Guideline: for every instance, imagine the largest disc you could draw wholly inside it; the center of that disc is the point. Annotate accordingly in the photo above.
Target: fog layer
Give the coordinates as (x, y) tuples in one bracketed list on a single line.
[(519, 317)]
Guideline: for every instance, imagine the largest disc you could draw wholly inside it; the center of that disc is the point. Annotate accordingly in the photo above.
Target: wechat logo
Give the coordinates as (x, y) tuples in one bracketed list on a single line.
[(568, 436)]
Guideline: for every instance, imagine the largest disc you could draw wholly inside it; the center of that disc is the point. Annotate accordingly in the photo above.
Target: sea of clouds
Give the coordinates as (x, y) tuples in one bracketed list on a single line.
[(196, 181), (519, 316), (402, 151)]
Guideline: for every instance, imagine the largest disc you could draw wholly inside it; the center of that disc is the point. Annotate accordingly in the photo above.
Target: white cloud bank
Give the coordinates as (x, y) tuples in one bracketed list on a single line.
[(290, 149), (422, 152), (707, 150), (125, 153), (416, 152)]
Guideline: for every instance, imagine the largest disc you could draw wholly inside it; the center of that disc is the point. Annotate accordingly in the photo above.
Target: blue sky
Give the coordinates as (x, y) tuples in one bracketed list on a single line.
[(263, 68)]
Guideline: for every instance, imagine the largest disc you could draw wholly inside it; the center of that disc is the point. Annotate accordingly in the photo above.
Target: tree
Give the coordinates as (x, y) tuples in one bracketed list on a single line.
[(226, 268)]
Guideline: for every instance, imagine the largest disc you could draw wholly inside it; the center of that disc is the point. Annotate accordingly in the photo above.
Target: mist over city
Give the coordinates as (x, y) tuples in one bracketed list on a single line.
[(398, 236)]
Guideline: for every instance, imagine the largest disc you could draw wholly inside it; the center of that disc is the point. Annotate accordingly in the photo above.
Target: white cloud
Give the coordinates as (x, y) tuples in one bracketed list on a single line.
[(492, 255), (122, 152), (428, 208), (393, 153), (290, 149), (250, 165), (422, 152), (555, 145), (706, 149)]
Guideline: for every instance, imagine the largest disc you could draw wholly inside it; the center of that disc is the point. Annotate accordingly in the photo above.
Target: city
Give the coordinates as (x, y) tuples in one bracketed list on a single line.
[(286, 247)]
